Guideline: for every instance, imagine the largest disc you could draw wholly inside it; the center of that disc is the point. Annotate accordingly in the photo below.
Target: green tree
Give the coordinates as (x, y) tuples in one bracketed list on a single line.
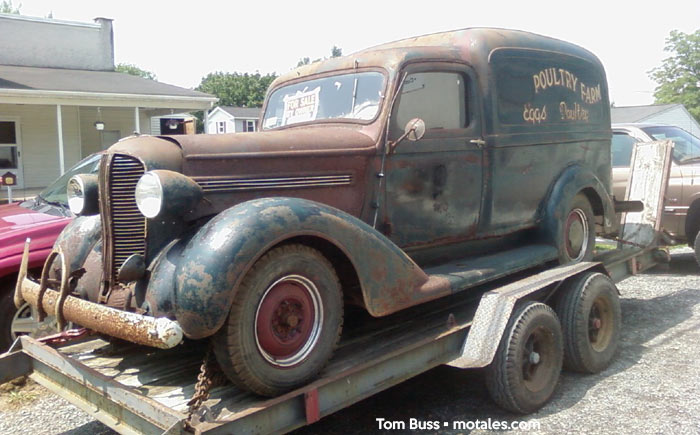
[(335, 52), (237, 89), (6, 7), (678, 77), (128, 68)]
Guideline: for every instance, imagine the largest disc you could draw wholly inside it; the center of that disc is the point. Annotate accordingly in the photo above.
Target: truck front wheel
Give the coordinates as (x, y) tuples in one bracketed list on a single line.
[(525, 370), (284, 324)]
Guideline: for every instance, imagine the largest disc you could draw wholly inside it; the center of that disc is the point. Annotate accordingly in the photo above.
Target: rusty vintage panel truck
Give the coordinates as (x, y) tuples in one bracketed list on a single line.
[(385, 179)]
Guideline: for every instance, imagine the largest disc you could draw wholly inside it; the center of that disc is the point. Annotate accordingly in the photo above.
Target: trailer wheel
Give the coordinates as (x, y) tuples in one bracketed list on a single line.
[(576, 232), (589, 309), (525, 370), (284, 324)]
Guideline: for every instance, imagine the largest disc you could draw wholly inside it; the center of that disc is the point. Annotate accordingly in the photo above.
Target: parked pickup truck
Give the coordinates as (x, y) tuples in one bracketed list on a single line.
[(384, 179), (681, 217)]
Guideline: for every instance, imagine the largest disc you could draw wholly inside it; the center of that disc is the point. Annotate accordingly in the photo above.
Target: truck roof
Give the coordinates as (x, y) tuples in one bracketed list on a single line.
[(473, 45)]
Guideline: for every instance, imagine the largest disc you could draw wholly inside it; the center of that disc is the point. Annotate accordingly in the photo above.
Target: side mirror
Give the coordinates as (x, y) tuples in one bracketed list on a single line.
[(414, 131)]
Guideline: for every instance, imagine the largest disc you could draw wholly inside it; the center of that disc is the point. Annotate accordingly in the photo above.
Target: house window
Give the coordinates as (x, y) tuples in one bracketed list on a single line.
[(8, 145), (249, 125), (221, 127)]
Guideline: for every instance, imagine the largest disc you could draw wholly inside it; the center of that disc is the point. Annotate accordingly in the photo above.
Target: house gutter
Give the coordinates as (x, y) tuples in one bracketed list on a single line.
[(72, 98)]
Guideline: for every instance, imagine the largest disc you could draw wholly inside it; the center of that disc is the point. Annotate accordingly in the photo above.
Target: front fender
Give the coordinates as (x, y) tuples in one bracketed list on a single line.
[(571, 181), (218, 256)]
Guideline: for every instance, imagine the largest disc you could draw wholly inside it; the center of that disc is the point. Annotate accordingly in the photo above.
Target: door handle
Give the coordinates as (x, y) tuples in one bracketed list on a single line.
[(478, 142)]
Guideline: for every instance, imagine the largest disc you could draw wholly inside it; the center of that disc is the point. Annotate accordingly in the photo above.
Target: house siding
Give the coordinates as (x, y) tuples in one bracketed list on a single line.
[(52, 43), (218, 117), (677, 116), (118, 119), (39, 139)]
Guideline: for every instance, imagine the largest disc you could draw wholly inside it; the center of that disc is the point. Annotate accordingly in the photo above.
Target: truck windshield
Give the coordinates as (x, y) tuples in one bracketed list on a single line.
[(686, 146), (347, 96)]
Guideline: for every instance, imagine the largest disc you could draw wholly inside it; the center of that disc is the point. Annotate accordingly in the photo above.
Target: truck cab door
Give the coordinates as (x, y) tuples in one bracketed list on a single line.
[(433, 188)]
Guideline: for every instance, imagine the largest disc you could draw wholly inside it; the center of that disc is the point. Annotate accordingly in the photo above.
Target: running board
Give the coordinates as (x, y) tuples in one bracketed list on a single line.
[(471, 271)]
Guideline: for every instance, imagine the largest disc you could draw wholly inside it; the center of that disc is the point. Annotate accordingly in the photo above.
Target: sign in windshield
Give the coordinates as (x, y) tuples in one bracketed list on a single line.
[(347, 96)]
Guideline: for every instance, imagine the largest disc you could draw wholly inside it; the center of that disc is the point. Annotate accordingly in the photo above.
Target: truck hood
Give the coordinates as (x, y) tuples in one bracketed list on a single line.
[(309, 140), (16, 225)]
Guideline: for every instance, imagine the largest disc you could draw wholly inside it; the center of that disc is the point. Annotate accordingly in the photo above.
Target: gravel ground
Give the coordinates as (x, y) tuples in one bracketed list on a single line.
[(652, 387)]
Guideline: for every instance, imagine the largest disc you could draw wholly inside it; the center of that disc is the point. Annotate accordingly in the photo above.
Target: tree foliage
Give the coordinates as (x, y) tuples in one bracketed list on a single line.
[(6, 7), (335, 52), (134, 71), (236, 89), (678, 77)]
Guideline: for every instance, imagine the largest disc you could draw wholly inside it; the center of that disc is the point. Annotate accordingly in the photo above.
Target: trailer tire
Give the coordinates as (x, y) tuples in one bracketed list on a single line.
[(576, 231), (589, 309), (284, 324), (526, 368)]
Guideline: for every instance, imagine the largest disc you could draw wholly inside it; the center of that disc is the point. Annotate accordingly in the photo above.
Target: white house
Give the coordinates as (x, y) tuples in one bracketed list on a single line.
[(61, 100), (671, 114), (228, 119)]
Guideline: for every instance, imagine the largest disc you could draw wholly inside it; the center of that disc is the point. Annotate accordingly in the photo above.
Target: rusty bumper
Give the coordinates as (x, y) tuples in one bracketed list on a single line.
[(150, 331)]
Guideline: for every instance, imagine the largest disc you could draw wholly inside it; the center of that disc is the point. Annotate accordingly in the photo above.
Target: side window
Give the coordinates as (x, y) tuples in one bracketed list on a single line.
[(622, 146), (438, 98)]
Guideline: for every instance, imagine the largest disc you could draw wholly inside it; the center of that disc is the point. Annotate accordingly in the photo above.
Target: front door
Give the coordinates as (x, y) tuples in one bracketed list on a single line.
[(434, 185), (11, 149)]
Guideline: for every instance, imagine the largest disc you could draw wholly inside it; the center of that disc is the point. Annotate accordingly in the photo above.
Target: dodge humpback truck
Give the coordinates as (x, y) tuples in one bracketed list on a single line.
[(384, 179)]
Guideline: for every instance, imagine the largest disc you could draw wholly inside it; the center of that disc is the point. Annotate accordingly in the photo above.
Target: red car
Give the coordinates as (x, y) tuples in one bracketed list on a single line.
[(42, 220)]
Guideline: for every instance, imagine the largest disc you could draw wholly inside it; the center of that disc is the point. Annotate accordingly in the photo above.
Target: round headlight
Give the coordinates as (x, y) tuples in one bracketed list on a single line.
[(82, 194), (149, 195), (163, 194)]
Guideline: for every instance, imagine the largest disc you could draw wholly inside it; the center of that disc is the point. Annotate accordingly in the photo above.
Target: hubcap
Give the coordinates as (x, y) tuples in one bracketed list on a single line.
[(576, 232), (600, 324), (24, 323), (288, 321), (538, 359)]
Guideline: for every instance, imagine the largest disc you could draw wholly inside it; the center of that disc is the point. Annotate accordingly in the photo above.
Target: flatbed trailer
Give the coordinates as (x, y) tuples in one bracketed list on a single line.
[(135, 389)]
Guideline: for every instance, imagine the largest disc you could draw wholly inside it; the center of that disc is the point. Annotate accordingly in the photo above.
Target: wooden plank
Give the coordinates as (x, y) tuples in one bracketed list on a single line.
[(649, 172)]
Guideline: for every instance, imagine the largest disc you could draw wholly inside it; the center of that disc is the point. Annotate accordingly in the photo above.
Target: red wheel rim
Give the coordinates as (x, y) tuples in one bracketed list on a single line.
[(288, 320)]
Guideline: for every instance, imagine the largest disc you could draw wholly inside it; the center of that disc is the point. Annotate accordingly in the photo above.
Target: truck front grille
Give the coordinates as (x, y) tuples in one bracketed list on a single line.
[(128, 224)]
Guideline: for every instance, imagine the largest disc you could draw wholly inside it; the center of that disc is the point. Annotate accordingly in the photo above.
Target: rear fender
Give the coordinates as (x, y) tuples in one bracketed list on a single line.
[(571, 181), (217, 258)]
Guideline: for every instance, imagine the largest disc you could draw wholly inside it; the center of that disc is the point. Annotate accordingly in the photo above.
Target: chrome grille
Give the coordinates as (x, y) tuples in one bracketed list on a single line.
[(128, 224)]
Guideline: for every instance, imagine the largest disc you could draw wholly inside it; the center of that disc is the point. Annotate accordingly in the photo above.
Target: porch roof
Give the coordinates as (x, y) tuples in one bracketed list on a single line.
[(31, 85)]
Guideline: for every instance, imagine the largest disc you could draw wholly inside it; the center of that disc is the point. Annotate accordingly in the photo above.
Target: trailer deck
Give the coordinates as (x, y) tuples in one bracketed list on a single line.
[(136, 389)]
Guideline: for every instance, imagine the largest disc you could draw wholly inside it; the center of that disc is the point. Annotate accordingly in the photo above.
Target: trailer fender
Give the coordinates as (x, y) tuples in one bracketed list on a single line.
[(571, 181), (217, 258)]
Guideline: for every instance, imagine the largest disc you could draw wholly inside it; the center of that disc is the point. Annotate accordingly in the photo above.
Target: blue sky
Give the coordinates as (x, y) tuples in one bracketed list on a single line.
[(183, 41)]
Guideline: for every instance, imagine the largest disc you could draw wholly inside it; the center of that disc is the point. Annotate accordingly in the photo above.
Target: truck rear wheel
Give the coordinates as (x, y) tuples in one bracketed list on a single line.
[(525, 370), (284, 324), (576, 232), (589, 309)]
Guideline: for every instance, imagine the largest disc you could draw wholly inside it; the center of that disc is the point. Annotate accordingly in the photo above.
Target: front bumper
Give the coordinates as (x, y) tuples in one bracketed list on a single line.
[(150, 331)]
